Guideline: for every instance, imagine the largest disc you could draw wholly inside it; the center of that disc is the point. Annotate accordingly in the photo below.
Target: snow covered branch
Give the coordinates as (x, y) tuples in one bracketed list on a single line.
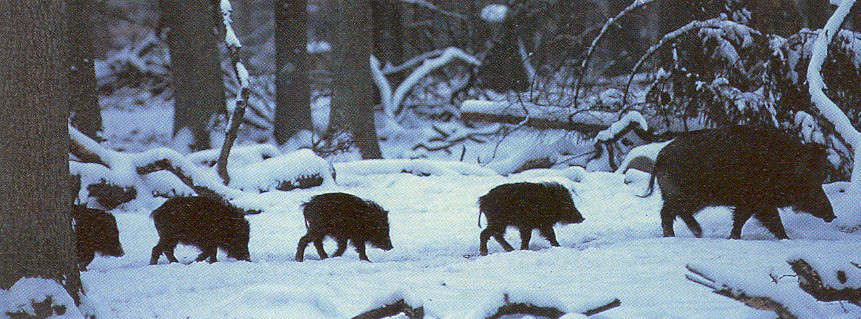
[(843, 286), (667, 38), (758, 293), (827, 107), (392, 101), (526, 308), (393, 309), (536, 115), (127, 168), (585, 64), (233, 47)]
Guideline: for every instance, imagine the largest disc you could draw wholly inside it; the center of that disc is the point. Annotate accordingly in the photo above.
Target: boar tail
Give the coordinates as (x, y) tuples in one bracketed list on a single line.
[(651, 187), (479, 218)]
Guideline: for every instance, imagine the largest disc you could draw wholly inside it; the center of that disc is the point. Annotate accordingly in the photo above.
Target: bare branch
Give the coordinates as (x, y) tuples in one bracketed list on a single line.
[(585, 64), (432, 7), (233, 47)]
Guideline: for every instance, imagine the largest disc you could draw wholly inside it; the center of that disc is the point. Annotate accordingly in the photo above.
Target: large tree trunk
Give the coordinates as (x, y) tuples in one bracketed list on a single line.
[(87, 115), (198, 86), (292, 92), (352, 92), (388, 36), (36, 238)]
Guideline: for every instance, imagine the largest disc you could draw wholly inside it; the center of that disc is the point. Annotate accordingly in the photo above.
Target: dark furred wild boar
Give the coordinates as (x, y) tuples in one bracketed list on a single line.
[(526, 206), (204, 222), (95, 231), (754, 169), (344, 217)]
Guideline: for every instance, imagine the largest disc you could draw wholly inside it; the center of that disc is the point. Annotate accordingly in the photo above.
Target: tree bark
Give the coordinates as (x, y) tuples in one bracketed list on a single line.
[(292, 91), (198, 86), (36, 237), (352, 92), (83, 102)]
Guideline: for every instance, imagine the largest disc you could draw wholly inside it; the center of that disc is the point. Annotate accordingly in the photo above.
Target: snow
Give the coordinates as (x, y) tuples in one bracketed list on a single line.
[(494, 13), (26, 291), (649, 151), (269, 174), (621, 124), (828, 269), (616, 253)]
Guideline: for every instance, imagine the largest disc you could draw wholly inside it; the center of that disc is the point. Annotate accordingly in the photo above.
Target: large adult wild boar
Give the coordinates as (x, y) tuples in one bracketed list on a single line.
[(754, 169)]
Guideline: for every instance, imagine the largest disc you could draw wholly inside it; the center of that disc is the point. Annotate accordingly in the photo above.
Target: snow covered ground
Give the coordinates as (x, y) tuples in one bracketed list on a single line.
[(617, 252)]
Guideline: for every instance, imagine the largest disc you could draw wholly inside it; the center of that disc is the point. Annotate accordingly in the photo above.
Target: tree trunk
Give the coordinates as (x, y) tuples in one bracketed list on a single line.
[(352, 89), (198, 86), (36, 238), (388, 36), (83, 102), (292, 92)]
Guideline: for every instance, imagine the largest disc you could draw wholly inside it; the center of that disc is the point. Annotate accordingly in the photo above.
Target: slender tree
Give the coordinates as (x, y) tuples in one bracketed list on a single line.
[(198, 85), (36, 238), (83, 102), (352, 92), (292, 91)]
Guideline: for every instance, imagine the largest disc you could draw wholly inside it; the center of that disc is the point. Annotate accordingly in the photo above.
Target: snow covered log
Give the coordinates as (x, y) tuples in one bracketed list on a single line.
[(393, 309), (757, 293), (536, 116), (257, 168), (525, 308), (841, 284)]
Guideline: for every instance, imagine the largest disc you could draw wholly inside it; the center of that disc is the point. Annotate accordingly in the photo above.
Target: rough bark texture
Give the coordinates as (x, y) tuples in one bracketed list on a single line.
[(36, 238), (83, 102), (292, 91), (353, 88), (388, 35), (197, 79)]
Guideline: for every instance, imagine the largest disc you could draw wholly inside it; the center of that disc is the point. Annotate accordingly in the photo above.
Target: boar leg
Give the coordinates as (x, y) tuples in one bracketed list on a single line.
[(360, 248), (739, 217), (550, 235), (300, 250), (208, 252), (318, 243), (668, 215), (342, 247), (525, 236), (485, 235), (770, 217), (165, 247), (689, 220)]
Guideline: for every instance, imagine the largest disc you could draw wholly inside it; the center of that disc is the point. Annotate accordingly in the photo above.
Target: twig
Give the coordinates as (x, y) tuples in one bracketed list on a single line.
[(585, 64)]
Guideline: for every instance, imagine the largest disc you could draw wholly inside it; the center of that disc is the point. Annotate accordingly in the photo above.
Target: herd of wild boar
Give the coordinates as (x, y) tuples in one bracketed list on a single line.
[(754, 170)]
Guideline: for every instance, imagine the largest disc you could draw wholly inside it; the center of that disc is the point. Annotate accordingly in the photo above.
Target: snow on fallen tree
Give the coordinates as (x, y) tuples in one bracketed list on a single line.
[(348, 171), (146, 171), (527, 302), (394, 303), (40, 298), (536, 115), (758, 292), (828, 280), (826, 106)]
